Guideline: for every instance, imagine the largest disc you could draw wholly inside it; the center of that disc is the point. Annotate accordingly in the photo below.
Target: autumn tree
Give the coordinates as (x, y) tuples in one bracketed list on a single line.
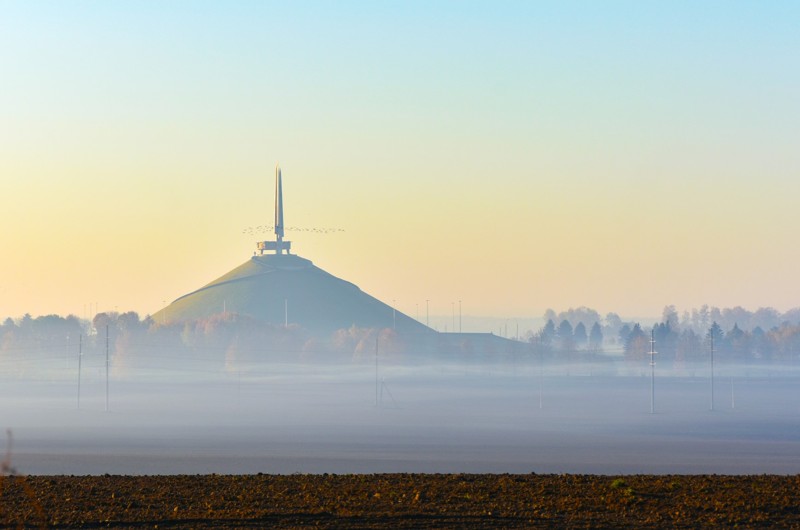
[(547, 335), (669, 316), (579, 336), (596, 337), (637, 344), (565, 339), (613, 325), (762, 344), (738, 343), (666, 340), (715, 332)]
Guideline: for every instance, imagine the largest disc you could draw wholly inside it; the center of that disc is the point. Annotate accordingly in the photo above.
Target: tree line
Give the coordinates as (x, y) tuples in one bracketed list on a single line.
[(224, 340), (229, 338), (738, 335)]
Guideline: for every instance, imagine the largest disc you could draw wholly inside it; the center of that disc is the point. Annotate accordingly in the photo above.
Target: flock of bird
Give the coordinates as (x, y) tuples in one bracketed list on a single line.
[(253, 230)]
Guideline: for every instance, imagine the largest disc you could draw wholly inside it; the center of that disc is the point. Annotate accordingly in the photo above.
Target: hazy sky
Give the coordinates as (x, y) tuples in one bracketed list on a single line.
[(512, 155)]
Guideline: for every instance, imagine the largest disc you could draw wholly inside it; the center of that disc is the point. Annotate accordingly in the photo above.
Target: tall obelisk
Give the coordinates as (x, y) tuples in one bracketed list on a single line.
[(279, 245), (278, 211)]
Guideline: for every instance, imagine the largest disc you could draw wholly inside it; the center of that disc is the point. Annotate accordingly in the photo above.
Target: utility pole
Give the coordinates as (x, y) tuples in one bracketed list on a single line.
[(711, 333), (106, 367), (80, 355), (541, 374), (427, 313), (652, 371)]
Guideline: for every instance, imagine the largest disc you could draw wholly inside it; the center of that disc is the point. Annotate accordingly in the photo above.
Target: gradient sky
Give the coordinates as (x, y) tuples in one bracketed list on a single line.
[(512, 155)]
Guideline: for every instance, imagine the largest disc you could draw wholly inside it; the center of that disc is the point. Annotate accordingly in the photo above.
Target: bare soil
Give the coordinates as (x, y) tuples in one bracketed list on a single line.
[(400, 501)]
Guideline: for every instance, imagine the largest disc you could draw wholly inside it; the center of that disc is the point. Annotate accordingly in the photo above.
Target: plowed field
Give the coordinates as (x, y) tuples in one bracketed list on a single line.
[(400, 501)]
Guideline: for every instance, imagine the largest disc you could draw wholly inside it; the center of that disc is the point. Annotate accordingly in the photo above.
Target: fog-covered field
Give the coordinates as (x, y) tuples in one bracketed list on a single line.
[(428, 418)]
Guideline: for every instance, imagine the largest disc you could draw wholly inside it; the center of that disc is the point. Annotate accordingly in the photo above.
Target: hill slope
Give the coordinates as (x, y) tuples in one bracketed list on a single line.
[(281, 288)]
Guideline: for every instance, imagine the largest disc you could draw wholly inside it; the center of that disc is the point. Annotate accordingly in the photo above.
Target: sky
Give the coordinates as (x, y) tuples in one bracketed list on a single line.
[(514, 156)]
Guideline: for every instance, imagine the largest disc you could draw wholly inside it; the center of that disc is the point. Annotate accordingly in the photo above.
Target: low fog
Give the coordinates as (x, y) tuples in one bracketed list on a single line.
[(519, 415)]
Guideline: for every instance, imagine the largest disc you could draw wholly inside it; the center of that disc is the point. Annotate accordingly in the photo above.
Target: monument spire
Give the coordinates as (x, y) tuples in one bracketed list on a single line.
[(278, 207), (279, 245)]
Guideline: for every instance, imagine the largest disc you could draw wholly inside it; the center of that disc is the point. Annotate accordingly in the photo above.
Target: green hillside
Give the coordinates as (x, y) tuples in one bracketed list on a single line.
[(270, 287)]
